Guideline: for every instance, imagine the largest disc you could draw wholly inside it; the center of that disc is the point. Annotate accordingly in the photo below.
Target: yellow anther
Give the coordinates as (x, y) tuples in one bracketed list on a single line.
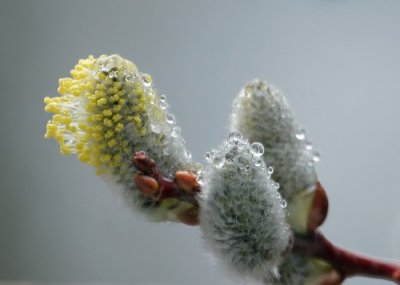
[(101, 102), (117, 85), (119, 127), (107, 122), (77, 74), (117, 117), (117, 108), (109, 134), (142, 131), (107, 112), (72, 129), (51, 108), (137, 119), (96, 117), (112, 90), (97, 128), (65, 150), (102, 77), (79, 146), (105, 158), (142, 108), (112, 142), (117, 157), (99, 94), (97, 136), (83, 126), (115, 98), (84, 157), (57, 118), (100, 86), (90, 108), (65, 120)]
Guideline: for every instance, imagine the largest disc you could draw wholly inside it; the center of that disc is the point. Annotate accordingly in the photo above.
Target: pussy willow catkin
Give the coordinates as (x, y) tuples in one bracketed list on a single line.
[(106, 112)]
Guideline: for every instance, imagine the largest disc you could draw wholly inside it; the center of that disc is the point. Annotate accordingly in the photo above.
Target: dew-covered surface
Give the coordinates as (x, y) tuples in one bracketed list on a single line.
[(336, 61), (262, 114), (242, 212), (107, 112)]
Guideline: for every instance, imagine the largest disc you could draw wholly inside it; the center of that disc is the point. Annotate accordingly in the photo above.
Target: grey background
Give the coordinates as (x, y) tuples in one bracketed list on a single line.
[(338, 62)]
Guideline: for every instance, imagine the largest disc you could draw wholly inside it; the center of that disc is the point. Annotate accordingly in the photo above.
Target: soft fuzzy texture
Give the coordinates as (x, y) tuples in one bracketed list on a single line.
[(262, 114), (295, 270), (242, 213), (108, 111)]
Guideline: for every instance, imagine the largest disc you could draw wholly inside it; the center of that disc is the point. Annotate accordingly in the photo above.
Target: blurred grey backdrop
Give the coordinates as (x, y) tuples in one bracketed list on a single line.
[(338, 62)]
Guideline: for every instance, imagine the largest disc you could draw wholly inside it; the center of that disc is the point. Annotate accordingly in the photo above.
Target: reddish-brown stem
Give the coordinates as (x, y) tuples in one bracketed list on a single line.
[(346, 263), (183, 187)]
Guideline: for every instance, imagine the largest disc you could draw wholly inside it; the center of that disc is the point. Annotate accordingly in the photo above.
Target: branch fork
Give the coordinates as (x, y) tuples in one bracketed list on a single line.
[(184, 187)]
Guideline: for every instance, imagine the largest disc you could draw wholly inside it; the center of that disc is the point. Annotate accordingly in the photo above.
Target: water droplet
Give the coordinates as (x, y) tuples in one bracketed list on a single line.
[(258, 162), (188, 154), (270, 170), (247, 167), (301, 135), (283, 203), (316, 156), (229, 157), (235, 136), (257, 149), (103, 68), (200, 178), (93, 74), (170, 119), (129, 77), (163, 98), (175, 132), (146, 78), (276, 185), (208, 155), (113, 74), (163, 105), (218, 161), (309, 145), (241, 144)]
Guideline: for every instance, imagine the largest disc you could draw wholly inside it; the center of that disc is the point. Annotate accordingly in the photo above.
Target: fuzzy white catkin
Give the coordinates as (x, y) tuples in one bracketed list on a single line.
[(242, 215), (262, 114), (295, 270)]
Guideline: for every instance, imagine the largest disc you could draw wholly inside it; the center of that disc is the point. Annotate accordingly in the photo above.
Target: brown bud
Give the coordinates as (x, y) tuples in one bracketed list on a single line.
[(319, 208), (187, 181), (189, 216), (142, 162), (147, 185)]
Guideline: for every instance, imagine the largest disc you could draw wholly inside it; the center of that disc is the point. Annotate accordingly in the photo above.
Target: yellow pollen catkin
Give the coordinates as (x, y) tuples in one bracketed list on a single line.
[(104, 98)]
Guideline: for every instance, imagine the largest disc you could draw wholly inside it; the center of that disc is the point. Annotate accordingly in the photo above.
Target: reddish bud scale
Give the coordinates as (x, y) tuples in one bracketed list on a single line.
[(147, 185), (319, 208), (189, 217), (187, 181)]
